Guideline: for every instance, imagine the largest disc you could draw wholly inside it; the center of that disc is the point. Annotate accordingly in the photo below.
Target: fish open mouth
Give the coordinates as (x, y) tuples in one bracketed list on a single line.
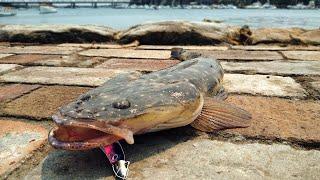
[(87, 134)]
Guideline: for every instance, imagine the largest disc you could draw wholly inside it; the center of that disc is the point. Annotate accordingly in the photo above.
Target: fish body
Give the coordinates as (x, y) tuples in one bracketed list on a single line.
[(135, 104)]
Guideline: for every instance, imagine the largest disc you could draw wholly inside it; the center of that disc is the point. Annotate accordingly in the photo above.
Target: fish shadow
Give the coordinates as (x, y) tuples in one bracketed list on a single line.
[(93, 164)]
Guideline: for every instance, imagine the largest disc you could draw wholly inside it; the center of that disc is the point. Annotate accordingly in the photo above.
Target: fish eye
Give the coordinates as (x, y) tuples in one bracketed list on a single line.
[(123, 104)]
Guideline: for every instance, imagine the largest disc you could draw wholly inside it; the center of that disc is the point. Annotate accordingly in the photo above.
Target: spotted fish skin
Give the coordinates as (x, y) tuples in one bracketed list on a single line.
[(133, 103), (180, 84)]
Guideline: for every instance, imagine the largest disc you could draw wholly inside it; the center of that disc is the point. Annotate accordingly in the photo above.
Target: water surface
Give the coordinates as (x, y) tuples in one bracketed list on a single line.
[(124, 18)]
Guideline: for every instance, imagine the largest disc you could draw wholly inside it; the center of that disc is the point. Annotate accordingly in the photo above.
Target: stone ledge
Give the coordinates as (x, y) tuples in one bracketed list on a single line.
[(263, 85), (61, 75), (277, 118), (138, 64), (55, 33), (5, 68), (49, 50), (274, 67), (42, 103), (13, 91), (18, 141), (243, 55), (127, 53), (166, 158), (164, 47), (302, 55)]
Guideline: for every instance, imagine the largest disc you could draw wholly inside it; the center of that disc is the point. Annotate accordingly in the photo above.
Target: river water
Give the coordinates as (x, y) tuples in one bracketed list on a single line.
[(124, 18)]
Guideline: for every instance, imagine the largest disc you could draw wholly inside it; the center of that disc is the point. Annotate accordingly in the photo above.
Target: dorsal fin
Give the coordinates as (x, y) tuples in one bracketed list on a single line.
[(217, 115)]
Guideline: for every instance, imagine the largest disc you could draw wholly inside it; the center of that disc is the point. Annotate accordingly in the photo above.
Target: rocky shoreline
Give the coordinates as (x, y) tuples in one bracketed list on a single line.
[(160, 33)]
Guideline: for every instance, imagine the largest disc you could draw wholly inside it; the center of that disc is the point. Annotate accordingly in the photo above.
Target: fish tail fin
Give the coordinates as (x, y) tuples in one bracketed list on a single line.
[(217, 115)]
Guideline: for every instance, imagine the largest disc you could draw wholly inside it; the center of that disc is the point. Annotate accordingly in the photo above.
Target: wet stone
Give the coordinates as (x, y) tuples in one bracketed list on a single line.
[(302, 55), (51, 50), (4, 68), (165, 158), (8, 92), (243, 55), (266, 85), (138, 64), (127, 53), (278, 118), (18, 140), (61, 75), (42, 103), (162, 47), (274, 67)]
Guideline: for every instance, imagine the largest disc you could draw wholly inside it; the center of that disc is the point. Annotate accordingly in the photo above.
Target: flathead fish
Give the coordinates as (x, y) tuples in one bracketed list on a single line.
[(189, 93)]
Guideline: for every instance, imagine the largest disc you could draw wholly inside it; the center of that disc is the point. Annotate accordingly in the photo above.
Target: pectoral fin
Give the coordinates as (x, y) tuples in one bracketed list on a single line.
[(217, 115)]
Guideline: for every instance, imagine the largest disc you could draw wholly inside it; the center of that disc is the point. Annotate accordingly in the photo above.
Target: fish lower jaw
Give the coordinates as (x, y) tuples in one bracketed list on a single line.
[(79, 144)]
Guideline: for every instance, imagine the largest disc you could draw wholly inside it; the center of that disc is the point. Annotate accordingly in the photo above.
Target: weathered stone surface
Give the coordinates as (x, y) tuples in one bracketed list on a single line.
[(127, 53), (274, 67), (17, 142), (315, 84), (309, 37), (51, 50), (162, 47), (276, 48), (4, 68), (302, 55), (276, 36), (277, 118), (5, 55), (242, 55), (70, 61), (263, 85), (138, 64), (181, 32), (52, 60), (43, 102), (61, 75), (8, 92), (168, 158), (98, 46), (27, 59), (55, 33)]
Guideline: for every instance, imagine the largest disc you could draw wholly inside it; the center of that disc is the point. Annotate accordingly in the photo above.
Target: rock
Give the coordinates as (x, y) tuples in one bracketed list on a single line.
[(181, 32), (274, 67), (302, 55), (42, 103), (4, 68), (276, 36), (18, 141), (138, 64), (44, 50), (61, 75), (55, 33), (13, 91), (279, 118), (164, 158), (265, 85), (311, 37), (127, 53)]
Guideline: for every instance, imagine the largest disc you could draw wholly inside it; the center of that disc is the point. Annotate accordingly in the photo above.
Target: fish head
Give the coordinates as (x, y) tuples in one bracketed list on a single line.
[(111, 113)]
